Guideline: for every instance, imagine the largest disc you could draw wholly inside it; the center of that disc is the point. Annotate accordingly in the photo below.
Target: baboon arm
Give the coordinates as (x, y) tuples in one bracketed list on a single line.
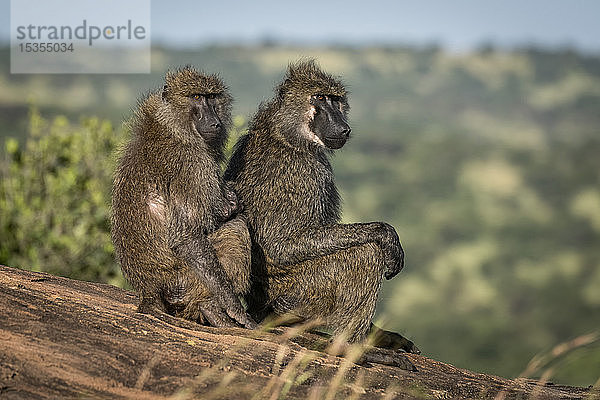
[(198, 253), (195, 249), (316, 242), (287, 248)]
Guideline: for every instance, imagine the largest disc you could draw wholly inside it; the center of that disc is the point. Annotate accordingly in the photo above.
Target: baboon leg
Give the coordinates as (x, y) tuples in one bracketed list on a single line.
[(340, 288), (231, 243), (232, 246), (152, 295), (151, 305)]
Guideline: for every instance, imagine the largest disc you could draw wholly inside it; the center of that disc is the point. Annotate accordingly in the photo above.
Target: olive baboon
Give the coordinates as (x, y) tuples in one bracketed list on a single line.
[(171, 212), (304, 262)]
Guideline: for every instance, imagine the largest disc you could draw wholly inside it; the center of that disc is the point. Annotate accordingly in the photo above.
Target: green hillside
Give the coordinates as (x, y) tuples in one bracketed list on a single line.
[(487, 164)]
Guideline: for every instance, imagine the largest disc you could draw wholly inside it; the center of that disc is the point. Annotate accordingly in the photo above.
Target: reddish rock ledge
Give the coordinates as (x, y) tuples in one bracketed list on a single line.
[(63, 338)]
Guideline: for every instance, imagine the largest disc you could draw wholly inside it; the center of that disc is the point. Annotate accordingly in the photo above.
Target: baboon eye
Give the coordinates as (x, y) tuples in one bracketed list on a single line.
[(321, 97), (196, 96)]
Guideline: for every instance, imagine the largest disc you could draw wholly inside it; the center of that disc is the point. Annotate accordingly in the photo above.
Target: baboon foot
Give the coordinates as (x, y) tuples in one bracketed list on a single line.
[(216, 316), (387, 357), (154, 310), (151, 306), (392, 340)]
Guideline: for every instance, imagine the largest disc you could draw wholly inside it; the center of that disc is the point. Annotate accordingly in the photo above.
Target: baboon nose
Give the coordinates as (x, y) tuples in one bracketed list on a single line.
[(216, 125), (347, 131)]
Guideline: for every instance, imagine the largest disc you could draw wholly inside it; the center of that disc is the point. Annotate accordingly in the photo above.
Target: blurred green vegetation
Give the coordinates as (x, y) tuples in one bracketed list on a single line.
[(487, 163), (54, 199)]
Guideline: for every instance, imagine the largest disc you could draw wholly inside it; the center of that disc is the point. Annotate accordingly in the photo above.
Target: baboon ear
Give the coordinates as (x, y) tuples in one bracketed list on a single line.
[(164, 93)]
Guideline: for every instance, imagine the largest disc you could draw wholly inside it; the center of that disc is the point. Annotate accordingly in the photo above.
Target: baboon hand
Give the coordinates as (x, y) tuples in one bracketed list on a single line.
[(392, 250), (232, 204), (232, 308)]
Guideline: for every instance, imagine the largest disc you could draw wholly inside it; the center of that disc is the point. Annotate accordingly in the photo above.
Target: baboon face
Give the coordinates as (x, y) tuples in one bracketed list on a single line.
[(204, 115), (328, 123), (204, 99), (309, 109)]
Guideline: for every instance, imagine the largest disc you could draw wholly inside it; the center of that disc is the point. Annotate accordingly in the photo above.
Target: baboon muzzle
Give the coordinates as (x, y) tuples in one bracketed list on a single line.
[(207, 122), (338, 134), (330, 125)]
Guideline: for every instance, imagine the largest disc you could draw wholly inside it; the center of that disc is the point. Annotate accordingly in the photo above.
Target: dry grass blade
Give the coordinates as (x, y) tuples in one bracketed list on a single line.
[(535, 393), (357, 386), (595, 391), (283, 382), (352, 354), (542, 361), (145, 373)]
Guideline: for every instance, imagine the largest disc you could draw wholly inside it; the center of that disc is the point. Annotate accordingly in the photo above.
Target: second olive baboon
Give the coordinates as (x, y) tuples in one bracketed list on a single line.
[(304, 262), (172, 223)]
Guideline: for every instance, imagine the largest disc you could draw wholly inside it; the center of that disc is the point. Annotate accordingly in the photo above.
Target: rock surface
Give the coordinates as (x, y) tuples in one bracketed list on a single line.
[(62, 338)]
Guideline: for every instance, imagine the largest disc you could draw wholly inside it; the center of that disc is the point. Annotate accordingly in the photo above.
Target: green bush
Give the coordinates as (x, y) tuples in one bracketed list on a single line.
[(55, 196)]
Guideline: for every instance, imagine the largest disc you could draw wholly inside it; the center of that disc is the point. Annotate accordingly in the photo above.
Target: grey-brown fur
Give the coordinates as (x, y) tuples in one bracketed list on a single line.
[(171, 213), (305, 262)]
